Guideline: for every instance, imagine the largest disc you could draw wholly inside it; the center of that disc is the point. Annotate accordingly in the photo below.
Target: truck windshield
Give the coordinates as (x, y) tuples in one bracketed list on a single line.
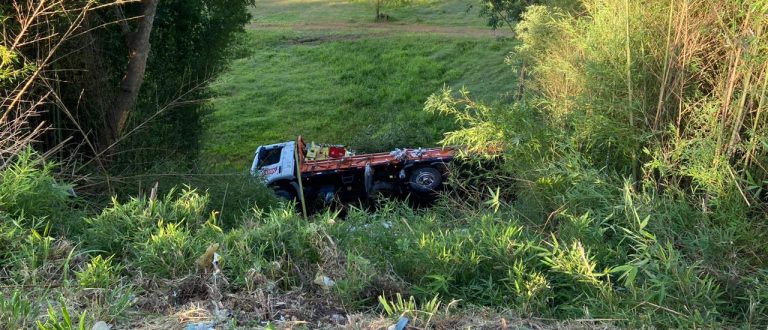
[(269, 156)]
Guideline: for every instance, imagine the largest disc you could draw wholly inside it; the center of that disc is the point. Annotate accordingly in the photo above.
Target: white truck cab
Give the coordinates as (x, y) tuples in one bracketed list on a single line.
[(275, 162)]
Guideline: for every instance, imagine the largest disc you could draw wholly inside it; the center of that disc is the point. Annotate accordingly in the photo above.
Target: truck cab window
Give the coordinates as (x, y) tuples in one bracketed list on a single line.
[(269, 156)]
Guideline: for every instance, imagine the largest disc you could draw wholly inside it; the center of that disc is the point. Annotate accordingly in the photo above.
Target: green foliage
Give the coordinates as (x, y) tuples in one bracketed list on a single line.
[(99, 273), (637, 195), (168, 253), (117, 228), (192, 43), (11, 67), (277, 93), (231, 196), (111, 304), (380, 5), (28, 189), (16, 312), (432, 12), (667, 239), (508, 12), (409, 308), (64, 321)]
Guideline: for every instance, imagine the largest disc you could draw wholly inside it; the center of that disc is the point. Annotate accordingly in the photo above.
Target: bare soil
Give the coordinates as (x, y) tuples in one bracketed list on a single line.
[(389, 28)]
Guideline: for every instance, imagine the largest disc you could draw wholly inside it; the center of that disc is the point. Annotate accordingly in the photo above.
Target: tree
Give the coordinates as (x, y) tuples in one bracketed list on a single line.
[(108, 71), (379, 5), (138, 51), (507, 12)]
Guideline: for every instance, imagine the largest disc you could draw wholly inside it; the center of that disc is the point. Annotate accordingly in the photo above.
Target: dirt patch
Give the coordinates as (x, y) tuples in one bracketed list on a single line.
[(391, 29), (325, 38)]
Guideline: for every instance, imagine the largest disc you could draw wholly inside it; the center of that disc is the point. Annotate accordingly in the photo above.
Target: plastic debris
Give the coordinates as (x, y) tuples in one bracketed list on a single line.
[(200, 326), (402, 322), (324, 281), (101, 325), (216, 259), (205, 261), (338, 319)]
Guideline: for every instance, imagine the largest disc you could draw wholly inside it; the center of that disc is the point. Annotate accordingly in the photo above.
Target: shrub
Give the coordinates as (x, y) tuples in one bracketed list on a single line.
[(64, 321), (119, 227), (16, 312), (170, 252), (99, 273), (28, 189)]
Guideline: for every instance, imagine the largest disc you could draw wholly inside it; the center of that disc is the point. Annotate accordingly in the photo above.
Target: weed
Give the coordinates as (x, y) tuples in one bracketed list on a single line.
[(99, 273), (28, 189), (110, 304), (16, 312), (168, 253), (423, 311), (64, 321)]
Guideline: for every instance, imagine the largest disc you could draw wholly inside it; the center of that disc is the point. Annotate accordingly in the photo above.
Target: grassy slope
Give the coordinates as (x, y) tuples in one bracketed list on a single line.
[(434, 12), (349, 85)]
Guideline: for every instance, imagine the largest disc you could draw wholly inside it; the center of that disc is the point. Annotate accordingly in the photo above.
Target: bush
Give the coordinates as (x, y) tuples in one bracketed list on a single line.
[(169, 253), (16, 312), (99, 273), (29, 190), (119, 227)]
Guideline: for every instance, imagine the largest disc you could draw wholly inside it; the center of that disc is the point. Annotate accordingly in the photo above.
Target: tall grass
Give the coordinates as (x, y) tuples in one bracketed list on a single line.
[(648, 174)]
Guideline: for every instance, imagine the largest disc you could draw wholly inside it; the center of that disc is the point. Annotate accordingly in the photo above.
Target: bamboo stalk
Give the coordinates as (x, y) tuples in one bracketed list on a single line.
[(667, 64), (746, 86), (760, 107), (629, 66)]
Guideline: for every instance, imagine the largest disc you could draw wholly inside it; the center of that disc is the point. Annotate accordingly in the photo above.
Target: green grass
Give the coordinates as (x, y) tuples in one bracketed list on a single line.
[(355, 86), (432, 12)]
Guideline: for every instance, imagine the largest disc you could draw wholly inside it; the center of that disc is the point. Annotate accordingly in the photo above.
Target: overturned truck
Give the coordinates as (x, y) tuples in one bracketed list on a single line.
[(333, 172)]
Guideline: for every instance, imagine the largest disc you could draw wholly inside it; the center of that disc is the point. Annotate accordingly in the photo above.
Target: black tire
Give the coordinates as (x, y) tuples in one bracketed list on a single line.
[(381, 189), (285, 194), (425, 179)]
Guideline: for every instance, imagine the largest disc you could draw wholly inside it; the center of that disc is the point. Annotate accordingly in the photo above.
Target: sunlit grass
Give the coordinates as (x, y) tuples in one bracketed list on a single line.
[(352, 85)]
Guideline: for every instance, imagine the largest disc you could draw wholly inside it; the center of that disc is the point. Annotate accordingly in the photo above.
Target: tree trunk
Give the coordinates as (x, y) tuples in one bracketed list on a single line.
[(138, 51)]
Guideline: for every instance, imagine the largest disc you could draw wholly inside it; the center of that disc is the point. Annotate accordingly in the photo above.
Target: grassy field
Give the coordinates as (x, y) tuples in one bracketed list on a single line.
[(433, 12), (312, 71)]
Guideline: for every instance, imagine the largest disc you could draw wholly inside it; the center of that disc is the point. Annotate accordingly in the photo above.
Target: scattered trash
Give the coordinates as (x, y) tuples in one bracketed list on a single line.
[(402, 322), (338, 319), (324, 281), (216, 259), (206, 261), (200, 326), (101, 325)]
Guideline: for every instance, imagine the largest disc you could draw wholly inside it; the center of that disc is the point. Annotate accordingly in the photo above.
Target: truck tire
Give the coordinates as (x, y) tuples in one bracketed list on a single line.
[(425, 179), (381, 188), (285, 194)]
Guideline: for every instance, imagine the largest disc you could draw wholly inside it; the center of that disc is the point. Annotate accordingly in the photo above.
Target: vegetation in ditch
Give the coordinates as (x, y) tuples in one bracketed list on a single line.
[(629, 188)]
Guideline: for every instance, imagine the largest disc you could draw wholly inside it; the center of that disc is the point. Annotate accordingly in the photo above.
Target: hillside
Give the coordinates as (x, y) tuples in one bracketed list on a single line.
[(322, 70)]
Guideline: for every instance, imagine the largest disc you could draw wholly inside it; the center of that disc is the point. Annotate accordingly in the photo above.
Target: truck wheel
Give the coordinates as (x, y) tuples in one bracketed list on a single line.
[(381, 188), (285, 194), (425, 179)]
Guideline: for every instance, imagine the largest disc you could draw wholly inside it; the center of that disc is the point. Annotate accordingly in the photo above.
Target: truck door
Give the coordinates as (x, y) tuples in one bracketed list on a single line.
[(275, 162)]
